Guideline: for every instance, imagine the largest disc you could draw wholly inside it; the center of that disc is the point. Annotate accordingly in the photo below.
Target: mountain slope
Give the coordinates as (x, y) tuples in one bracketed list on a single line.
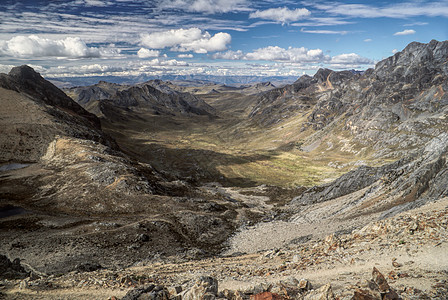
[(69, 192), (396, 111), (34, 112)]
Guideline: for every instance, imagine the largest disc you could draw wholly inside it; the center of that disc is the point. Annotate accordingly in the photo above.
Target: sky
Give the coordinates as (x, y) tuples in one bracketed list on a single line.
[(69, 38)]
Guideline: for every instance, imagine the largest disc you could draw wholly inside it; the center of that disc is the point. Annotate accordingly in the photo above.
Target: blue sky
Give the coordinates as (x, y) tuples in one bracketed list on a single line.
[(63, 38)]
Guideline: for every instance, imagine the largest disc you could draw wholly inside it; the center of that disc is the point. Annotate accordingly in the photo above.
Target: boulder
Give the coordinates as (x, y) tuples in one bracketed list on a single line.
[(205, 288)]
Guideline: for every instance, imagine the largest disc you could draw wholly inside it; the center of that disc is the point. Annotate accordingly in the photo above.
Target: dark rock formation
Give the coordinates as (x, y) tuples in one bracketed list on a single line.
[(11, 269)]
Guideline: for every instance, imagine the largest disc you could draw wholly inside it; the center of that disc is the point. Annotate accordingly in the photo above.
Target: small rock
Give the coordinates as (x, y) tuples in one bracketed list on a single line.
[(396, 264), (175, 290), (142, 238), (304, 285), (361, 294), (206, 288), (11, 270), (23, 284), (265, 296), (380, 281), (296, 258), (323, 293)]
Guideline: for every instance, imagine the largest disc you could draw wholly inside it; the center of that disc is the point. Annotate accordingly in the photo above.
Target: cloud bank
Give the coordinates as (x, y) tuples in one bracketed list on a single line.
[(275, 53), (302, 56), (394, 10), (184, 40), (35, 46)]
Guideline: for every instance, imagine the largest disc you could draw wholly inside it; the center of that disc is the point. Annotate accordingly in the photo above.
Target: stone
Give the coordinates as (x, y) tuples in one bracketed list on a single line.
[(380, 281), (361, 294), (136, 293), (296, 258), (266, 296), (206, 288), (323, 293), (304, 285)]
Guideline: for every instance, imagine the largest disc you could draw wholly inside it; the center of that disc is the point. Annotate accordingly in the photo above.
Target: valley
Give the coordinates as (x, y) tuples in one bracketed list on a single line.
[(109, 189)]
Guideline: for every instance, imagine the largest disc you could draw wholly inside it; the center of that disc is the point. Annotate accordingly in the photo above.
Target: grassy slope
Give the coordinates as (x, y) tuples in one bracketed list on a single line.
[(233, 150)]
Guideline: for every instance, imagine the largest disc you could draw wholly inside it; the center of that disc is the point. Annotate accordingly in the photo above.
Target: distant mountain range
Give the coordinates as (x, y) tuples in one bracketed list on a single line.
[(66, 82)]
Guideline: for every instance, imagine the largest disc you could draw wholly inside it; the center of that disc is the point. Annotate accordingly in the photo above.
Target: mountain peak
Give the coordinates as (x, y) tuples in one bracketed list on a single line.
[(26, 80), (24, 72)]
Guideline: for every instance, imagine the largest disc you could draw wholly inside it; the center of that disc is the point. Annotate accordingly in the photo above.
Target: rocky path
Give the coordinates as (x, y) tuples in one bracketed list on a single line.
[(410, 250)]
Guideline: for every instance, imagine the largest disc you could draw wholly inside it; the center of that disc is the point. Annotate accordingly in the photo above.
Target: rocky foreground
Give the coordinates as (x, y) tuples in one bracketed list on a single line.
[(404, 257)]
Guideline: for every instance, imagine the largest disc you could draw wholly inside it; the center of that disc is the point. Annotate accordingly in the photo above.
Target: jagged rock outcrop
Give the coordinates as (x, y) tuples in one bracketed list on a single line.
[(407, 183), (402, 103), (300, 97), (398, 106)]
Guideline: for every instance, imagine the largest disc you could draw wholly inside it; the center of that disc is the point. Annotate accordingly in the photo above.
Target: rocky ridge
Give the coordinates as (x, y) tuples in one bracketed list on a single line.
[(152, 95)]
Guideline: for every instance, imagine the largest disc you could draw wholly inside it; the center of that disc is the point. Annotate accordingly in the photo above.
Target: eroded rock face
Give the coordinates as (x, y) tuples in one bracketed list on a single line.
[(397, 111), (396, 107)]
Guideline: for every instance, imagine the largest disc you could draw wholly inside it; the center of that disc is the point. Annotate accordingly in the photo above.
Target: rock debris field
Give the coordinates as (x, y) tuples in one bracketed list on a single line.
[(403, 257)]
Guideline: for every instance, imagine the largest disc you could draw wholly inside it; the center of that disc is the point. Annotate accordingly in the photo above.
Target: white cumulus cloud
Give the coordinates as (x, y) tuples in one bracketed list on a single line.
[(35, 46), (299, 55), (350, 59), (281, 14), (185, 55), (145, 53), (275, 53), (405, 32), (184, 40)]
